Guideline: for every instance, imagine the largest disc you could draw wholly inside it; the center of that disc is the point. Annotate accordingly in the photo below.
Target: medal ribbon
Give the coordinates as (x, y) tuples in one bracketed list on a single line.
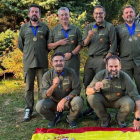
[(95, 26), (65, 34), (34, 31), (131, 30), (60, 73)]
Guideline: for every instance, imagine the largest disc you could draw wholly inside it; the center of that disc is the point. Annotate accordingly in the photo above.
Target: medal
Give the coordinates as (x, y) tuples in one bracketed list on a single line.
[(130, 39), (95, 29), (35, 38), (135, 38)]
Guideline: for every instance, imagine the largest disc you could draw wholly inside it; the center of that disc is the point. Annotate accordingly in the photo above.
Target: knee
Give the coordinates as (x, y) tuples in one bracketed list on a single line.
[(77, 103), (39, 106), (91, 99), (129, 105)]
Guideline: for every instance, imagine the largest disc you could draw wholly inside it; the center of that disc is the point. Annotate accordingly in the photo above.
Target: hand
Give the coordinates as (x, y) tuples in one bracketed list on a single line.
[(89, 91), (61, 104), (90, 33), (136, 125), (56, 82), (63, 41), (67, 56), (98, 85)]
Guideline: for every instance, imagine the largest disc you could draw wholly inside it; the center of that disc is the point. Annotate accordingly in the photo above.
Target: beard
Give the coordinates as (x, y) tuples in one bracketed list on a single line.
[(34, 18), (113, 75), (130, 19)]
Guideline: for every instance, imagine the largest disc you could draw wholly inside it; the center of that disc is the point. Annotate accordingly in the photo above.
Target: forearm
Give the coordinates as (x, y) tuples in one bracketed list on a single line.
[(52, 46), (49, 92), (77, 49), (137, 109), (87, 40)]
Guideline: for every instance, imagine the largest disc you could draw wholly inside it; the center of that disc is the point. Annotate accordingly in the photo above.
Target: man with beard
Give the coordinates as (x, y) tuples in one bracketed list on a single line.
[(101, 40), (66, 38), (60, 90), (32, 42), (113, 88), (128, 35)]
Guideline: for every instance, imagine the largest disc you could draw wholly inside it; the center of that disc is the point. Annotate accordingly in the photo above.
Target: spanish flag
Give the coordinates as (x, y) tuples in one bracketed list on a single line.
[(86, 133)]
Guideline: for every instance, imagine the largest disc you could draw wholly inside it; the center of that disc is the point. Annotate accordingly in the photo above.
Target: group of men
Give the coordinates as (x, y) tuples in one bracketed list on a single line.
[(106, 82)]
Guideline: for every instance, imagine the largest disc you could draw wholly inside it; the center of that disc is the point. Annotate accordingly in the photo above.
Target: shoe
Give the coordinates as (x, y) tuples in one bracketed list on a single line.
[(88, 111), (27, 116), (54, 122), (72, 124), (106, 123), (121, 124)]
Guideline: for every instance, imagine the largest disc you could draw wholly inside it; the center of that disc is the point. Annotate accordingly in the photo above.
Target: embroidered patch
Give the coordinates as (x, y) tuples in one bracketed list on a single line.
[(118, 94), (101, 39), (41, 36)]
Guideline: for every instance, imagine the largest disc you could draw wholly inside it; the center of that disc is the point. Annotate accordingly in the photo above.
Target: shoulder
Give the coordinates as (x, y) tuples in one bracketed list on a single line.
[(48, 74), (101, 74)]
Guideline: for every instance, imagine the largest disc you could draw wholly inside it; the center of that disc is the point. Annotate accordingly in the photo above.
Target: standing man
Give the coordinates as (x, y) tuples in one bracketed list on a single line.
[(128, 35), (66, 38), (101, 40), (32, 42), (60, 90), (113, 88)]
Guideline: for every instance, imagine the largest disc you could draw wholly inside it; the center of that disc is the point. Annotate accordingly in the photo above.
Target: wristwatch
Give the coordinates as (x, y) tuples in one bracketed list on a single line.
[(72, 54), (67, 98), (138, 119)]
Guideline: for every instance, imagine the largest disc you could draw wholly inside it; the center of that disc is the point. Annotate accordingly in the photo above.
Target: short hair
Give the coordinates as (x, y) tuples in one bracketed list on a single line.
[(63, 8), (112, 57), (129, 6), (99, 6), (34, 5), (57, 54)]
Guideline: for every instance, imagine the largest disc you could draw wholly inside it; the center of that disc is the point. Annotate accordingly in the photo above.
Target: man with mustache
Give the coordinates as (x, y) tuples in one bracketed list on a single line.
[(32, 42), (128, 35), (60, 90), (66, 38), (113, 88), (100, 38)]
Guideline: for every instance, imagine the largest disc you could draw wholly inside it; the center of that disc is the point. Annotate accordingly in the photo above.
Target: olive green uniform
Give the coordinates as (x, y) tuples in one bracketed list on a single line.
[(69, 85), (119, 92), (35, 58), (129, 52), (104, 41), (75, 39)]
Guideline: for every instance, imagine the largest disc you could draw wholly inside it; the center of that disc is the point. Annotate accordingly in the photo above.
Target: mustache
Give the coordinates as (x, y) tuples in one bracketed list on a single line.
[(59, 65)]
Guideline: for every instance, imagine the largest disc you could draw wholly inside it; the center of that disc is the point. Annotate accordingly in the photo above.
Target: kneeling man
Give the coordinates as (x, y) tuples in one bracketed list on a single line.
[(113, 88), (60, 90)]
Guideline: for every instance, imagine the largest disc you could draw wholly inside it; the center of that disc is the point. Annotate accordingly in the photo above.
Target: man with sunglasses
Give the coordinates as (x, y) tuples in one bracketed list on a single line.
[(100, 38)]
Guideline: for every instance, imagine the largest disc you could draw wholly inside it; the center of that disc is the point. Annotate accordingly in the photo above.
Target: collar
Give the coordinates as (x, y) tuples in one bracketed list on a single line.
[(103, 24), (29, 24), (61, 27)]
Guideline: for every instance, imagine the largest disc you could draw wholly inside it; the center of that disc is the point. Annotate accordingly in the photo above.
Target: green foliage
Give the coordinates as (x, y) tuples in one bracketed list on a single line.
[(6, 40)]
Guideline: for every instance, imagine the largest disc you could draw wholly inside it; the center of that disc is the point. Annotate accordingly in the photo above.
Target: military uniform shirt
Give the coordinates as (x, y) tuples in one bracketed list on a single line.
[(130, 50), (114, 89), (74, 37), (104, 41), (35, 53), (69, 84)]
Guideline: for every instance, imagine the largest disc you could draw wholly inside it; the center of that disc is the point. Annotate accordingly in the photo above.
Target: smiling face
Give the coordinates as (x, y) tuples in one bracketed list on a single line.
[(113, 66), (34, 14), (63, 16), (128, 15), (58, 63), (99, 15)]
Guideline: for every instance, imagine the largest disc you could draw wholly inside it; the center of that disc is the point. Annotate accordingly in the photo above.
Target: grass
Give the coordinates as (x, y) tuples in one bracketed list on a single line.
[(12, 111)]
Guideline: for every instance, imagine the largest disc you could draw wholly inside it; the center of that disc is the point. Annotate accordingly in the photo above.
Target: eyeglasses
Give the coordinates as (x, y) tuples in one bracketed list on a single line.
[(101, 13)]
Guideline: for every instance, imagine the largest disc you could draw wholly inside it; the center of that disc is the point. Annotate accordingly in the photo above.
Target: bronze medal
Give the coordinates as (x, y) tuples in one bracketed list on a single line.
[(35, 39), (94, 30)]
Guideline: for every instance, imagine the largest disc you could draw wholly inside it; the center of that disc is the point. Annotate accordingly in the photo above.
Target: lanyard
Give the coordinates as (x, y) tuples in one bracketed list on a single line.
[(95, 26), (65, 34), (60, 73), (34, 31), (131, 30)]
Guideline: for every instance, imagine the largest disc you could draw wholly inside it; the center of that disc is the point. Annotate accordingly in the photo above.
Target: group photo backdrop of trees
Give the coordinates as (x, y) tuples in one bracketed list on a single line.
[(14, 13)]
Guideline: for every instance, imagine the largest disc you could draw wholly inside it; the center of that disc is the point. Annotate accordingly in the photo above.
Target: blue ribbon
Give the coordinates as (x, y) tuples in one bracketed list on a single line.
[(65, 34), (131, 30), (34, 31), (95, 26), (60, 74)]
